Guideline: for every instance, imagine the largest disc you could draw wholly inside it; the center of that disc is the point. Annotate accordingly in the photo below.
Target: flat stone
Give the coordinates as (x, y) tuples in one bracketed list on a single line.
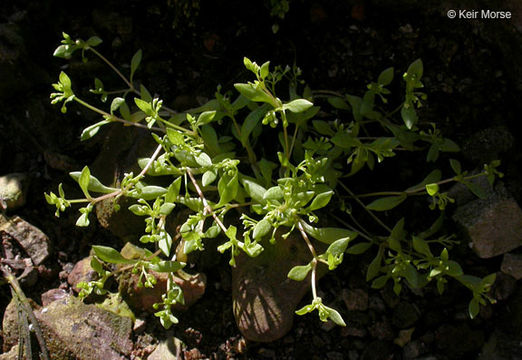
[(170, 349), (512, 265), (35, 243), (494, 225), (73, 329), (142, 298), (264, 298)]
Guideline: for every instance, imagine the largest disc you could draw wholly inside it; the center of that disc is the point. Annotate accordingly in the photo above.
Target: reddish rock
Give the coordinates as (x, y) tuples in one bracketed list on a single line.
[(355, 299), (82, 271), (494, 225), (512, 265)]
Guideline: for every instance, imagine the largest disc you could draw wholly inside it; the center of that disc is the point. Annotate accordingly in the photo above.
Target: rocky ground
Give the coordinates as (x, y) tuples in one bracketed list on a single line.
[(473, 77)]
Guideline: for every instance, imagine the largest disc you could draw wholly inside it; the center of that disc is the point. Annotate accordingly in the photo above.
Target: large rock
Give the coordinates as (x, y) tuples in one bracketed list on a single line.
[(13, 190), (35, 243), (512, 265), (265, 299), (74, 330), (494, 224)]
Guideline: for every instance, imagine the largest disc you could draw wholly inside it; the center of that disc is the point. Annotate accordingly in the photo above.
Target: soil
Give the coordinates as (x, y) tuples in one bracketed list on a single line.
[(473, 77)]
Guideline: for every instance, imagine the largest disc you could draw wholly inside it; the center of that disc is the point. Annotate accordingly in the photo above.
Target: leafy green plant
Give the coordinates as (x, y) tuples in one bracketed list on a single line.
[(241, 193)]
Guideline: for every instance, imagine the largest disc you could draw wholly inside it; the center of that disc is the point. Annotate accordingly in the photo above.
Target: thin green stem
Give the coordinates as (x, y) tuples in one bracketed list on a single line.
[(129, 84)]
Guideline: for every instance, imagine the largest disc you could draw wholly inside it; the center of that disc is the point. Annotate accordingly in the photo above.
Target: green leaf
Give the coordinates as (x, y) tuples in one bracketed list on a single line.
[(274, 193), (338, 247), (203, 160), (397, 234), (261, 229), (453, 268), (173, 191), (322, 127), (473, 308), (432, 189), (298, 105), (145, 94), (476, 189), (167, 208), (94, 41), (266, 167), (379, 282), (84, 180), (375, 265), (83, 220), (94, 184), (92, 130), (205, 117), (321, 200), (166, 266), (251, 92), (264, 70), (144, 106), (448, 145), (228, 187), (305, 309), (386, 203), (251, 122), (116, 103), (455, 165), (175, 136), (409, 115), (254, 190), (209, 177), (335, 316), (165, 243), (421, 246), (412, 276), (329, 234), (416, 68), (337, 103), (386, 77), (359, 248), (110, 255), (151, 192), (299, 273), (432, 177), (135, 62)]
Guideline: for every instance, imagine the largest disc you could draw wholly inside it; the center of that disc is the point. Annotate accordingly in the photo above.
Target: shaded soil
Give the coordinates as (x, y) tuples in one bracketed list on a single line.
[(473, 76)]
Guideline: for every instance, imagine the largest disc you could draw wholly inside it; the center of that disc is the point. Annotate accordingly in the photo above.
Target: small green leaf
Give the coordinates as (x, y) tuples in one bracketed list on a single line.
[(386, 203), (421, 246), (378, 283), (175, 136), (84, 180), (386, 77), (338, 247), (305, 309), (416, 68), (92, 130), (167, 208), (455, 165), (83, 220), (320, 201), (329, 234), (432, 189), (151, 192), (449, 146), (205, 117), (274, 193), (409, 115), (254, 190), (359, 248), (251, 92), (335, 316), (203, 160), (264, 70), (208, 177), (375, 265), (110, 255), (322, 127), (94, 184), (135, 62), (165, 243), (94, 41), (337, 103), (116, 103), (473, 308), (144, 106), (299, 273), (251, 121), (261, 229), (298, 105), (397, 234), (476, 189), (173, 190), (166, 266)]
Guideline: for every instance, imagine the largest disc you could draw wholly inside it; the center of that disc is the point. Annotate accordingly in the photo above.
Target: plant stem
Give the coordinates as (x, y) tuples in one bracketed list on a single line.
[(129, 84), (314, 254)]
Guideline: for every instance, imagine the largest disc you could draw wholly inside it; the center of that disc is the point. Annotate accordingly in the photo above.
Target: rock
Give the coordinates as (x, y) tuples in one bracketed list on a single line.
[(405, 315), (264, 298), (170, 349), (11, 355), (382, 330), (115, 304), (355, 299), (512, 265), (378, 350), (404, 337), (73, 329), (35, 243), (13, 190), (494, 225), (53, 295), (504, 286), (82, 271), (142, 298)]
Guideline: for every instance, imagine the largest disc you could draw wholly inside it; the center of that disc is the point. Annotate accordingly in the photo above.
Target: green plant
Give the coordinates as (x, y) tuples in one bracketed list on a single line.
[(241, 193)]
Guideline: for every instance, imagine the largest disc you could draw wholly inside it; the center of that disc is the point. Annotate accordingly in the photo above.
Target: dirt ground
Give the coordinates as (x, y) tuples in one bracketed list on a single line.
[(473, 78)]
